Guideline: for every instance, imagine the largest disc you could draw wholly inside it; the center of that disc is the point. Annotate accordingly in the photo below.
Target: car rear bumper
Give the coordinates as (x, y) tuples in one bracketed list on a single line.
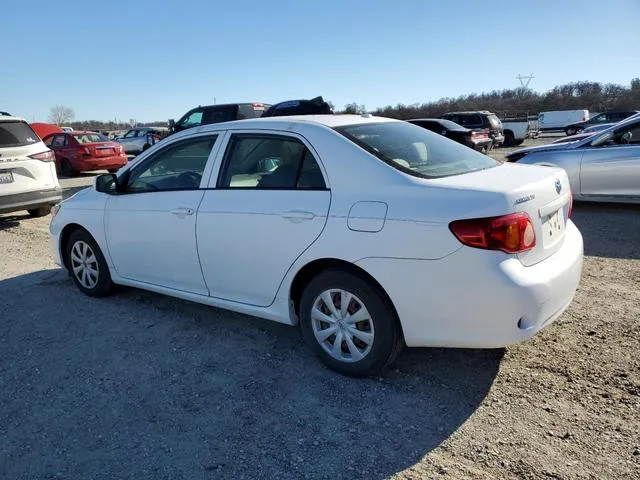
[(29, 200), (479, 299), (101, 163), (498, 139), (481, 144)]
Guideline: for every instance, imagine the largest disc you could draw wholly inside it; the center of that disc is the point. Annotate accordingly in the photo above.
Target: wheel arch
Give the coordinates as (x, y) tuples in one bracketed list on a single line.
[(64, 238), (315, 267)]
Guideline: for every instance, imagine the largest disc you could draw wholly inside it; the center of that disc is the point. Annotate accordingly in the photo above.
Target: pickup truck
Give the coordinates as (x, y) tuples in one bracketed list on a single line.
[(518, 128)]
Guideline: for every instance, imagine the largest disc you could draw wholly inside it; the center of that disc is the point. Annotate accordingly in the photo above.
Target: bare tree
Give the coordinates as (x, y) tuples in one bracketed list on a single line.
[(61, 114)]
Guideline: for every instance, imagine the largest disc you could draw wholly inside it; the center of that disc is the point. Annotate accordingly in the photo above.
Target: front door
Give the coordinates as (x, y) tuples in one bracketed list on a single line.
[(150, 226), (270, 204), (613, 168)]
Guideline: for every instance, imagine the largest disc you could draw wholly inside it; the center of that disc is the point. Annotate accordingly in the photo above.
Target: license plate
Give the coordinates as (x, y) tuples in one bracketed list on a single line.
[(554, 227), (6, 176)]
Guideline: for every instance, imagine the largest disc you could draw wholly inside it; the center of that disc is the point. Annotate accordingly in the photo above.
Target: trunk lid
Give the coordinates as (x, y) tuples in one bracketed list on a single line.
[(103, 149), (541, 192)]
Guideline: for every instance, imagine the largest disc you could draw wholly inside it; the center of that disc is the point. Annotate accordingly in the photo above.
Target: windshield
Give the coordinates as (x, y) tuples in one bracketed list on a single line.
[(415, 150), (16, 134), (90, 138)]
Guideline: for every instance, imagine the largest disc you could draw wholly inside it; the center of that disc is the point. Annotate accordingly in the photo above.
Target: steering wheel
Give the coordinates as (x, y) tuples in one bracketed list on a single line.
[(191, 179)]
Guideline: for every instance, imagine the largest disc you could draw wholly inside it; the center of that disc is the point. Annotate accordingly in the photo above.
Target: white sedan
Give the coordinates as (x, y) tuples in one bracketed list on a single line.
[(370, 233)]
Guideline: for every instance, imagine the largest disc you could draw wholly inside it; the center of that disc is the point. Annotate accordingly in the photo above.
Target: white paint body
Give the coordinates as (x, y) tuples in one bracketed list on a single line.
[(561, 118), (242, 249)]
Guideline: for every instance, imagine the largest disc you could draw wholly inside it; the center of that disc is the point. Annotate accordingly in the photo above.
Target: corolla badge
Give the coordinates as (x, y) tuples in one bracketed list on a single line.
[(558, 186)]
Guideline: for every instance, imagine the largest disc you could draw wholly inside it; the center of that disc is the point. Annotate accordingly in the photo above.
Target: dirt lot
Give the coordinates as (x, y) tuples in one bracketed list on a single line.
[(142, 386)]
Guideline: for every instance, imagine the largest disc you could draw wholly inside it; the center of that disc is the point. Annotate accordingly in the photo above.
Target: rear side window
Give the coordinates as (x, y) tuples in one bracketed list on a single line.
[(270, 162), (16, 134), (415, 150), (494, 120), (219, 114), (253, 110)]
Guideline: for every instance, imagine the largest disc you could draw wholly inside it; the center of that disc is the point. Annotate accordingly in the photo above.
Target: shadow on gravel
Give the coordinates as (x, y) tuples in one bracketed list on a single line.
[(10, 221), (144, 386), (609, 230)]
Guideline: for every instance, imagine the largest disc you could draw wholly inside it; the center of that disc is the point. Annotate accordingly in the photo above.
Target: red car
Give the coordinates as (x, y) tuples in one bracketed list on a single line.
[(81, 151)]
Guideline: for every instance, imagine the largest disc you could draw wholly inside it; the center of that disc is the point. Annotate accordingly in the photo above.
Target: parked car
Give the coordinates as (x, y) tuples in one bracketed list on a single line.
[(28, 178), (518, 127), (137, 140), (67, 129), (314, 106), (603, 167), (601, 118), (210, 114), (557, 120), (6, 114), (81, 151), (377, 232), (479, 121), (478, 140)]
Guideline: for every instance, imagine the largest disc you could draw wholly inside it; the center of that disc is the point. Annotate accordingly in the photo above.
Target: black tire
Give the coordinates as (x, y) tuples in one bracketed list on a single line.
[(518, 142), (509, 139), (146, 147), (387, 338), (103, 284), (570, 131), (112, 170), (67, 169), (40, 211)]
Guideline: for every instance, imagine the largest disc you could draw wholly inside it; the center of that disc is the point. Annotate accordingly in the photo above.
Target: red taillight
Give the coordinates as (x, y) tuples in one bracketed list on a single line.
[(570, 205), (47, 156), (513, 233)]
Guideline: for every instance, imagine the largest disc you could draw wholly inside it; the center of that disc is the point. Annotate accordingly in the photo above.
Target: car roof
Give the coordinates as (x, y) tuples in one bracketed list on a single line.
[(331, 121), (470, 112), (441, 121), (10, 118)]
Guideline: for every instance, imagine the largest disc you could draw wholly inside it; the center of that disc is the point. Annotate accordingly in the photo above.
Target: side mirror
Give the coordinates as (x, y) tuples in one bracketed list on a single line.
[(172, 123), (106, 183)]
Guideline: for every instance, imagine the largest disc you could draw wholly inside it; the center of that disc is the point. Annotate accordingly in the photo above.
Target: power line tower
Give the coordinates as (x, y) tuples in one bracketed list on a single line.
[(525, 80)]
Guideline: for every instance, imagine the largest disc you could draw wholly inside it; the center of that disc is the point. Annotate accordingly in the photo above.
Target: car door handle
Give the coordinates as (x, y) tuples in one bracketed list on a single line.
[(182, 212), (297, 216)]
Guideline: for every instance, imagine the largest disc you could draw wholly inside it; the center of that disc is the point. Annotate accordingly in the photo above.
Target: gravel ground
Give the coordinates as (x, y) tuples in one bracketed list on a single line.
[(148, 387)]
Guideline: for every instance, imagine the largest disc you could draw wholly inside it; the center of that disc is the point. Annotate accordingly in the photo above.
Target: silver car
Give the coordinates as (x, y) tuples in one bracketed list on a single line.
[(137, 140), (603, 167)]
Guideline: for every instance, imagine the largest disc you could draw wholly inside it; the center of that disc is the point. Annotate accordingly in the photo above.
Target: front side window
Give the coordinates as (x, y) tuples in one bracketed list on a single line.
[(130, 134), (415, 150), (177, 167), (627, 135), (192, 120), (269, 162)]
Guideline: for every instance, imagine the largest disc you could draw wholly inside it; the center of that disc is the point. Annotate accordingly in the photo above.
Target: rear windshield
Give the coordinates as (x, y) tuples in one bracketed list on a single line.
[(16, 134), (91, 138), (251, 111), (415, 150)]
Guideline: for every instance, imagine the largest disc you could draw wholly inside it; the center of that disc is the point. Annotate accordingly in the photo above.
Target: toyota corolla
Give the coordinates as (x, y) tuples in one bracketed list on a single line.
[(369, 233)]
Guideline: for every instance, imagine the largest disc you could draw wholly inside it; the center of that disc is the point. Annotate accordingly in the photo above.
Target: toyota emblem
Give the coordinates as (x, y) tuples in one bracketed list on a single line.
[(558, 186)]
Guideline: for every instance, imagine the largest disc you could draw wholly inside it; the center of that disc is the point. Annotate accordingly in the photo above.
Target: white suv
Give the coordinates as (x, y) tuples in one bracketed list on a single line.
[(28, 179)]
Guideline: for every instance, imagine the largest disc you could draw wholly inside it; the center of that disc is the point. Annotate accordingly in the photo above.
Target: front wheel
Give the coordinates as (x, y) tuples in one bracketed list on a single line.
[(349, 324), (67, 169), (570, 131), (509, 139), (87, 265)]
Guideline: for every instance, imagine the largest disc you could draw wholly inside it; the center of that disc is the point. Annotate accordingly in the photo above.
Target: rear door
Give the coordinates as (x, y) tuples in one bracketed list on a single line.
[(270, 204), (613, 168)]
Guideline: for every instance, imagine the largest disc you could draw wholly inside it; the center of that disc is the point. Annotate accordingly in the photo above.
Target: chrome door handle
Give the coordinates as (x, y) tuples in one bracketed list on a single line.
[(298, 216), (182, 212)]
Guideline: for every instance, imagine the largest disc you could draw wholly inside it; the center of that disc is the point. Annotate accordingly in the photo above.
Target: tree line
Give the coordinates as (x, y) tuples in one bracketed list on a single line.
[(592, 96)]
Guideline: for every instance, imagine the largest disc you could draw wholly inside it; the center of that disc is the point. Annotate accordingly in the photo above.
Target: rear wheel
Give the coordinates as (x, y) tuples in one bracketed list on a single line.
[(509, 139), (571, 131), (146, 147), (67, 169), (349, 324), (40, 211), (87, 265)]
